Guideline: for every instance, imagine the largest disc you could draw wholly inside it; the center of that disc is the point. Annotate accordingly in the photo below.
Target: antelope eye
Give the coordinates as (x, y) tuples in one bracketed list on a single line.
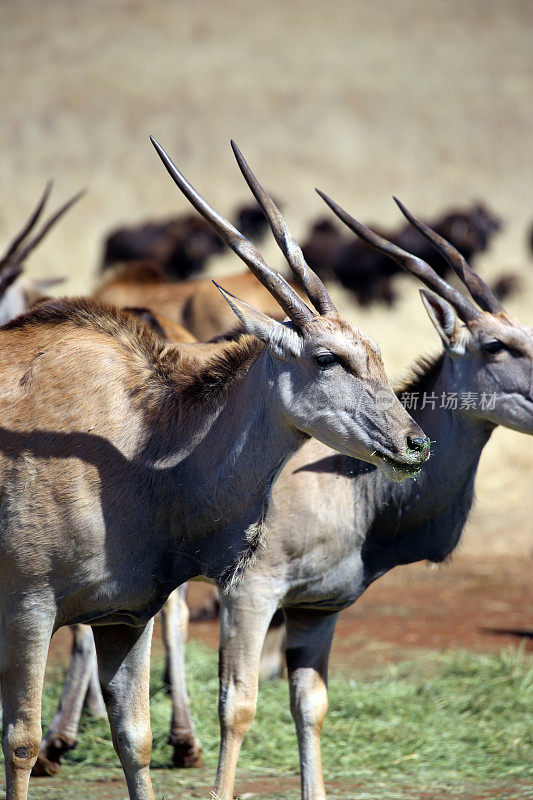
[(495, 346), (326, 359)]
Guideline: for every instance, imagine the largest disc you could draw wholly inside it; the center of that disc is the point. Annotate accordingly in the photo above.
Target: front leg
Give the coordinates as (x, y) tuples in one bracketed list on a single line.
[(24, 639), (182, 737), (309, 637), (244, 620), (124, 667)]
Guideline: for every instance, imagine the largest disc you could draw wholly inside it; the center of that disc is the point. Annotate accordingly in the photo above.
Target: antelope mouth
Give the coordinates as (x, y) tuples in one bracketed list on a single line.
[(398, 470)]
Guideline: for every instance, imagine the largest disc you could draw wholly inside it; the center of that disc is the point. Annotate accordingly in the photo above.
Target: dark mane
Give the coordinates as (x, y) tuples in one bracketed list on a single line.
[(164, 372), (213, 378), (421, 374)]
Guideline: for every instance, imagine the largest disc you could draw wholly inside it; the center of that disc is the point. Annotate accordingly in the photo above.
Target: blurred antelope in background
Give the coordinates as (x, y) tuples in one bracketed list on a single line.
[(332, 255), (16, 296), (127, 468), (194, 304)]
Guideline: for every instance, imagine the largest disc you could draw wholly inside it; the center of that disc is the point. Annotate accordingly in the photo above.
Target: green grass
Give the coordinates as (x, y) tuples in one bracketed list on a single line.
[(470, 719), (452, 725)]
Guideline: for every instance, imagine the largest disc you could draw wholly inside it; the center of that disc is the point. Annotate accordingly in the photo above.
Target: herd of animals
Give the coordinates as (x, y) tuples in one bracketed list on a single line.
[(162, 430)]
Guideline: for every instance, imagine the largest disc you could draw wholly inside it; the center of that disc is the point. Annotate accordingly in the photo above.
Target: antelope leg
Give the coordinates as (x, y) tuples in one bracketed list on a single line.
[(124, 667), (272, 662), (243, 624), (24, 640), (309, 637), (94, 702), (182, 736), (61, 735)]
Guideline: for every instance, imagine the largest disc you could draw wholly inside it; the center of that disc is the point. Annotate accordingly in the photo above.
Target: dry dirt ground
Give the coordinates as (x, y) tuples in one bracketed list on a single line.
[(426, 99), (269, 787)]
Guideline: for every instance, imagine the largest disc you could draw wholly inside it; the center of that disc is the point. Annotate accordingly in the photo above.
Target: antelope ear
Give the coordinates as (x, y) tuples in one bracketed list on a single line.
[(283, 341), (444, 318)]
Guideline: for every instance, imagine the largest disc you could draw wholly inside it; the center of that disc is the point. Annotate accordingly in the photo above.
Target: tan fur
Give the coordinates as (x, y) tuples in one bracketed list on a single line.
[(134, 272), (195, 304), (162, 326), (161, 374)]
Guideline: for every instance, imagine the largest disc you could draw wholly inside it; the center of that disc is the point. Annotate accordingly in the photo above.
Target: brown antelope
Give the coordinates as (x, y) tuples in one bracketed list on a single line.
[(16, 295), (128, 468), (81, 683), (81, 688), (195, 304)]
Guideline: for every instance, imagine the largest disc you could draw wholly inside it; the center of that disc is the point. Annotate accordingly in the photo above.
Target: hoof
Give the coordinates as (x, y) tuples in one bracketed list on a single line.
[(187, 753), (48, 761), (44, 768)]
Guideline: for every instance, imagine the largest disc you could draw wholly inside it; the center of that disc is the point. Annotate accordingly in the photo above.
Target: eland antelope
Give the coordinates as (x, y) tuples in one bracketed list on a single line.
[(127, 467), (337, 524)]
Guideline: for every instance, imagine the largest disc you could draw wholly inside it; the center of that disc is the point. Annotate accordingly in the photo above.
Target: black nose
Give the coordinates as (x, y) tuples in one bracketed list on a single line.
[(418, 443)]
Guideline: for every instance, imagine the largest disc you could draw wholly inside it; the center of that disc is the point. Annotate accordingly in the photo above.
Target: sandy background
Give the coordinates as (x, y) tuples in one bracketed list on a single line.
[(427, 99)]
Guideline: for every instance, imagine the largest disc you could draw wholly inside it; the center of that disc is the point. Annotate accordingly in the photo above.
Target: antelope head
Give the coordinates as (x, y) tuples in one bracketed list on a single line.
[(490, 354), (14, 297), (326, 375)]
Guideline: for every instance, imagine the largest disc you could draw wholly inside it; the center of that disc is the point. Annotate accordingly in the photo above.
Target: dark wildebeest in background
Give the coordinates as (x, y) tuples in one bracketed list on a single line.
[(367, 273), (180, 246), (507, 284)]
